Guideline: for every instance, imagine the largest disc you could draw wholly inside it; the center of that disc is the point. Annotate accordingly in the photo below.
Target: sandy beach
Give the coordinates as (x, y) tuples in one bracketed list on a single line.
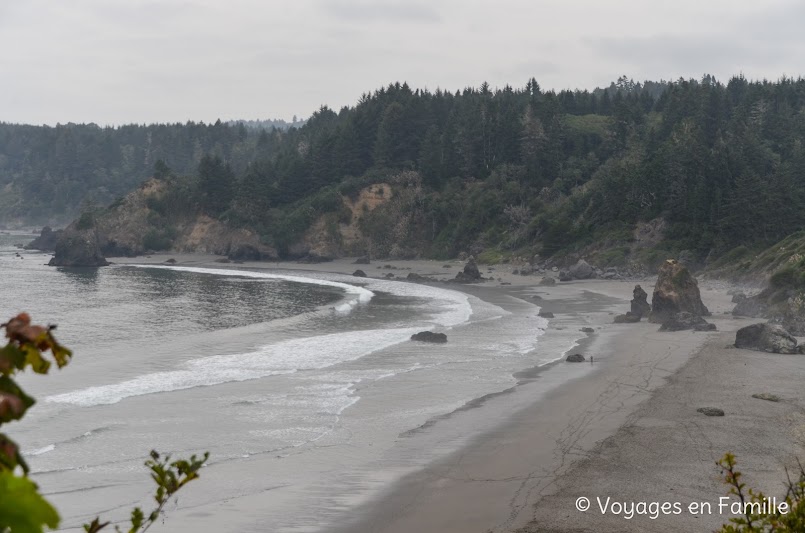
[(624, 427)]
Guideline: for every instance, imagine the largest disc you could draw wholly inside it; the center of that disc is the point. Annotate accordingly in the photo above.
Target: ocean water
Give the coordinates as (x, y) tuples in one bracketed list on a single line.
[(304, 387)]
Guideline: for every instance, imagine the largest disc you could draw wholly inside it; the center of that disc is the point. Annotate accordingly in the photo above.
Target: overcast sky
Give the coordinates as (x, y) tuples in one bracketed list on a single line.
[(122, 61)]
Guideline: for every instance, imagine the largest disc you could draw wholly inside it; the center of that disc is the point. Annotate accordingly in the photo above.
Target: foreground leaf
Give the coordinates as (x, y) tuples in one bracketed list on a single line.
[(22, 509)]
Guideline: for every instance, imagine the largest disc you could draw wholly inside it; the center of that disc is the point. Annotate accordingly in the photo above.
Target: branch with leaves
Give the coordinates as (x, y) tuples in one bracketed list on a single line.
[(22, 507), (759, 518)]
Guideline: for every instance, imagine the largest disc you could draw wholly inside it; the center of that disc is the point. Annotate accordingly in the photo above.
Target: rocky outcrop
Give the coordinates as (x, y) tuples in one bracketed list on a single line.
[(46, 242), (79, 246), (575, 358), (144, 220), (429, 336), (564, 275), (766, 338), (782, 302), (640, 305), (628, 318), (359, 273), (470, 274), (684, 320), (547, 281), (676, 291)]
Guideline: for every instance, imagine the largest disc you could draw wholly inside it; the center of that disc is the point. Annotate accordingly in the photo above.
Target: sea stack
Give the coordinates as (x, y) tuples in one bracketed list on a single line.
[(79, 245), (676, 290)]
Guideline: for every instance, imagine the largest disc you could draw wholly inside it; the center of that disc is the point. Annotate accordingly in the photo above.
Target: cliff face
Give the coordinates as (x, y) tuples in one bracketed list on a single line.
[(340, 234), (145, 220)]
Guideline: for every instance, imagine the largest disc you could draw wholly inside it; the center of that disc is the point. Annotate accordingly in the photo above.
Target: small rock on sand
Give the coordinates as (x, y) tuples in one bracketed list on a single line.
[(710, 411), (546, 314), (429, 336), (587, 330), (766, 396), (575, 358), (359, 273)]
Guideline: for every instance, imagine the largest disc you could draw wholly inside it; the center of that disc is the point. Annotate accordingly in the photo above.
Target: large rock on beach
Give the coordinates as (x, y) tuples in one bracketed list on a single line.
[(79, 246), (628, 318), (359, 273), (640, 305), (429, 336), (684, 320), (766, 338), (46, 242), (676, 291), (582, 270)]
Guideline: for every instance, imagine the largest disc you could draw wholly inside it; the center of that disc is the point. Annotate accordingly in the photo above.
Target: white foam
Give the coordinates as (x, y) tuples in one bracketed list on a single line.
[(282, 358), (40, 451)]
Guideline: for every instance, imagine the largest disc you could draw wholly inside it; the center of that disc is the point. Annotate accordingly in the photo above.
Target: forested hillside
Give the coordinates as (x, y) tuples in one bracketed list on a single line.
[(713, 166), (48, 173)]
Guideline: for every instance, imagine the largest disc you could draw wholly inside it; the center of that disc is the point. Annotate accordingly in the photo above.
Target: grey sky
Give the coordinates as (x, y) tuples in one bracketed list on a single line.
[(115, 61)]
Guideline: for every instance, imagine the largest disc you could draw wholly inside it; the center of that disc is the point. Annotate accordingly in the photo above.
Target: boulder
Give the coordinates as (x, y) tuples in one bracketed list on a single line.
[(547, 281), (738, 297), (582, 270), (359, 273), (765, 338), (429, 336), (575, 358), (587, 330), (46, 242), (526, 270), (684, 320), (676, 291), (546, 314), (79, 246), (640, 305), (564, 275), (628, 318)]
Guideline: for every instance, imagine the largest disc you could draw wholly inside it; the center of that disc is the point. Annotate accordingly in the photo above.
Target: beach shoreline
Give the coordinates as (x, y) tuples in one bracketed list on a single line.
[(525, 472)]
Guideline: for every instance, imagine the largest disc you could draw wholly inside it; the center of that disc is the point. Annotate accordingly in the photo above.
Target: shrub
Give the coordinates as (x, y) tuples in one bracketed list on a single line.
[(756, 517)]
